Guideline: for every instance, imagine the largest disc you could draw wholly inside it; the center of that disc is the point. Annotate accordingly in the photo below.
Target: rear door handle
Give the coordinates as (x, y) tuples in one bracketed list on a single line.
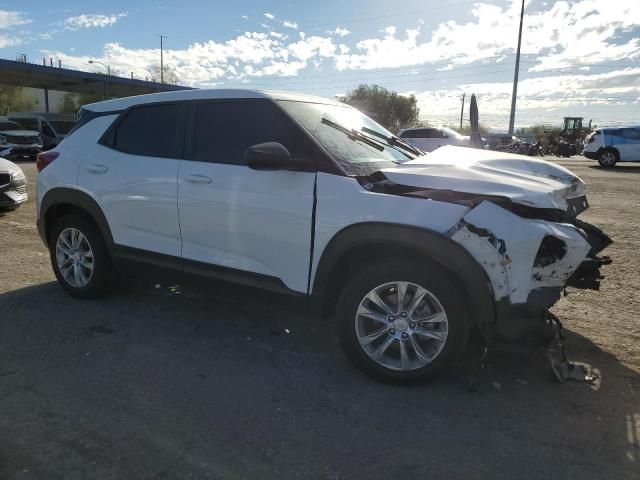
[(97, 169), (198, 179)]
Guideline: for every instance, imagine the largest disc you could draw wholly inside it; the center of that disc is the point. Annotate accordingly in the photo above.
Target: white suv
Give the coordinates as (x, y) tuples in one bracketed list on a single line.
[(612, 145), (310, 197)]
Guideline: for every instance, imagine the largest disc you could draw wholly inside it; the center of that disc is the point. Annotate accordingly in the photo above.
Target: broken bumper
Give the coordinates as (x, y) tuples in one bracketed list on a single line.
[(528, 263)]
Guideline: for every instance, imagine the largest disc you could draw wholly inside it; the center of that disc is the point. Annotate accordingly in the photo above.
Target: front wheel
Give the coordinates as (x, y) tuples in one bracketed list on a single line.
[(402, 323)]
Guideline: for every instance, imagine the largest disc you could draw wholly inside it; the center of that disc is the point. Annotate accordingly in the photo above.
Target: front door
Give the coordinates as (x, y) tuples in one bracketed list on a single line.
[(233, 218)]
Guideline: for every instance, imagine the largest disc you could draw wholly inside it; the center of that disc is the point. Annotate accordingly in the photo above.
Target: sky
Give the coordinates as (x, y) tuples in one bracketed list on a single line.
[(579, 57)]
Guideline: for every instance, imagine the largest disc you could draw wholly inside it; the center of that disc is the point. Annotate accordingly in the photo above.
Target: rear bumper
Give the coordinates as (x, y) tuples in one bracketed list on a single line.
[(591, 155)]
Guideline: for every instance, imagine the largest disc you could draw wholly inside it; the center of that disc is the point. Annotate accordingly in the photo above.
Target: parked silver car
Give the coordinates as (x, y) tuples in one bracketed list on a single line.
[(13, 186)]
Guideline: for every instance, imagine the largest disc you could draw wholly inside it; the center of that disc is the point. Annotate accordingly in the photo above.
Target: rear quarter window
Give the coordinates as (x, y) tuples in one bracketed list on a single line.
[(151, 131)]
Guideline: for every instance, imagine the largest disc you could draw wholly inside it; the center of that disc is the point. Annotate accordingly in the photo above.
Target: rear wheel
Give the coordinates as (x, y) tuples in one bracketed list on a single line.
[(608, 157), (79, 257), (401, 322)]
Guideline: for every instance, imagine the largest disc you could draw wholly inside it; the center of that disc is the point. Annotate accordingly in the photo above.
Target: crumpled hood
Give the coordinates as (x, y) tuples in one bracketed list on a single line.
[(522, 179)]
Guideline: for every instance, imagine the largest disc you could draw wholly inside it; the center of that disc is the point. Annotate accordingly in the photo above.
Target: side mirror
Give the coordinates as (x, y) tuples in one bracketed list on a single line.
[(272, 156)]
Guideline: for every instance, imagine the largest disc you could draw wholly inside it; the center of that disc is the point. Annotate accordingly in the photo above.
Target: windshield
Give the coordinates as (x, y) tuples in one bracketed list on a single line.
[(6, 126), (360, 154), (62, 127), (451, 133)]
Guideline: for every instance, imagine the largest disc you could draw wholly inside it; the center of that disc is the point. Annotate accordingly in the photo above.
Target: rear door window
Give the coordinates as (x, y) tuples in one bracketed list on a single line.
[(223, 131), (152, 131), (631, 134)]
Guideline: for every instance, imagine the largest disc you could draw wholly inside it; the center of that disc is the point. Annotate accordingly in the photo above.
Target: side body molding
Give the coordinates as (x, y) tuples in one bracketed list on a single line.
[(408, 240)]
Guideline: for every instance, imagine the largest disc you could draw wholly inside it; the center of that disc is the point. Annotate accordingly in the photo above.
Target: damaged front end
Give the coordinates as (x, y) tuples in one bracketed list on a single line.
[(529, 252), (530, 263)]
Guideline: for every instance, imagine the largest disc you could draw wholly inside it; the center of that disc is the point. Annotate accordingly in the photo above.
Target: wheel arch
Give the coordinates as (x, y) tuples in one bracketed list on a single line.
[(59, 201), (361, 242)]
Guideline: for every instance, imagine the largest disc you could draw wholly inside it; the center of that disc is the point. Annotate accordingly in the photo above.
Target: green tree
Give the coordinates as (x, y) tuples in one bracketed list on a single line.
[(169, 76), (390, 109), (71, 102), (14, 99)]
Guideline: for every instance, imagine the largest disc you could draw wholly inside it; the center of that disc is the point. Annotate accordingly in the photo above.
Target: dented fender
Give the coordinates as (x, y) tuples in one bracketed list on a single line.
[(506, 246)]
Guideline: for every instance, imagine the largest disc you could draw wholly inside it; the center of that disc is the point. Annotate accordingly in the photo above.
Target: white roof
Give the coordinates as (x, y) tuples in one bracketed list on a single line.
[(203, 94)]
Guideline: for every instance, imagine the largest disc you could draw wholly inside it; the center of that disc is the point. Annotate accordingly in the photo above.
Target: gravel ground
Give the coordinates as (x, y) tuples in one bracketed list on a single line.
[(225, 382)]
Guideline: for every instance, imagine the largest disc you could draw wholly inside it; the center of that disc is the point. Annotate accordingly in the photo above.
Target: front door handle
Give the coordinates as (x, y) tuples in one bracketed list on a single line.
[(198, 179), (97, 169)]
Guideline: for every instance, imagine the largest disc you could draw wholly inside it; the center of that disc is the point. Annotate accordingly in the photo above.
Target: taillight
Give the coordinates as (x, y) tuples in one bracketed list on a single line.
[(592, 139), (45, 158)]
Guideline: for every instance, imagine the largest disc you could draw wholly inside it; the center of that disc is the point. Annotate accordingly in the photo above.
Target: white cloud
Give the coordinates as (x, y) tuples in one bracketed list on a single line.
[(249, 54), (89, 20), (8, 20), (549, 97), (582, 32), (290, 24), (309, 47), (483, 40), (245, 17), (340, 32)]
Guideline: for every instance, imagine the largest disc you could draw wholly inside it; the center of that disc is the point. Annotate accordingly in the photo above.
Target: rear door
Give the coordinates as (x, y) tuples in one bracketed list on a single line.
[(133, 175), (235, 220), (630, 144)]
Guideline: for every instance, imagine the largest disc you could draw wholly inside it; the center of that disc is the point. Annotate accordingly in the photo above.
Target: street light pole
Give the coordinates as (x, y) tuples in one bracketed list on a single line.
[(105, 84), (162, 37), (108, 67), (512, 118)]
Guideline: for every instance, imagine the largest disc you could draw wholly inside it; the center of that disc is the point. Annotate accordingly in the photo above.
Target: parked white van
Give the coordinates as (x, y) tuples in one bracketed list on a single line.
[(53, 127)]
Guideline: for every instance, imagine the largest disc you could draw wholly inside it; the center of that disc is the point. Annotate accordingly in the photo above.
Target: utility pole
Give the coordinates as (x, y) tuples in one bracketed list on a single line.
[(162, 37), (512, 118), (462, 111)]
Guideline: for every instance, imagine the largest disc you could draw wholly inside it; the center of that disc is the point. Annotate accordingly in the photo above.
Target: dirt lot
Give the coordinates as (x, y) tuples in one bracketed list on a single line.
[(207, 383)]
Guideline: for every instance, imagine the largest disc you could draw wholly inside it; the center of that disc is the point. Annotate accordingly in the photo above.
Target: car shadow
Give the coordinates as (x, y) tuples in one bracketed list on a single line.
[(619, 168), (217, 380)]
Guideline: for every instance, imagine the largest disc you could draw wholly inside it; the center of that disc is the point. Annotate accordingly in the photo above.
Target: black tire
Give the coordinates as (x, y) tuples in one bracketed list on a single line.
[(433, 278), (604, 157), (104, 277)]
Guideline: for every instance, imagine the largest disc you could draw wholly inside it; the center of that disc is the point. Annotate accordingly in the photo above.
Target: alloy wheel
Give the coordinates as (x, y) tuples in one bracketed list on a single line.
[(74, 257), (401, 326), (608, 159)]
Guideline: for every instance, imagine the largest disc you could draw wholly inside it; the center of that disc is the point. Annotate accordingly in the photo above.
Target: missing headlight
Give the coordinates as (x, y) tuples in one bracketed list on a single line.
[(551, 250)]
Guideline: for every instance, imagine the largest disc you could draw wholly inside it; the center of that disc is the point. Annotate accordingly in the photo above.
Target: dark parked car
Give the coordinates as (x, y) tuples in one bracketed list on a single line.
[(16, 143)]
